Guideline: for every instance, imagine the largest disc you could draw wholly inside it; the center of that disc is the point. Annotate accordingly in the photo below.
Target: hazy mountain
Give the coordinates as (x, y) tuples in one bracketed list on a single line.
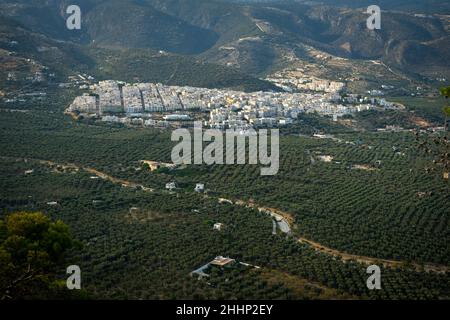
[(254, 36), (24, 52), (423, 6), (113, 23)]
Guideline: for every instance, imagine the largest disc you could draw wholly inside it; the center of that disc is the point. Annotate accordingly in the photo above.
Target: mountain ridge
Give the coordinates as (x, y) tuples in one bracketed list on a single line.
[(253, 37)]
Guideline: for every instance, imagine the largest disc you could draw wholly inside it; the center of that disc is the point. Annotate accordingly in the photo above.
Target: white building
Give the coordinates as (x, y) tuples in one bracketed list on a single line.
[(200, 187), (218, 226), (171, 186)]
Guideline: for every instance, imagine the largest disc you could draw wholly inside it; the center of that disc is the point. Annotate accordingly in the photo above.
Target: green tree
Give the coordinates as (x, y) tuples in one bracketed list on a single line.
[(438, 146), (445, 92), (31, 248)]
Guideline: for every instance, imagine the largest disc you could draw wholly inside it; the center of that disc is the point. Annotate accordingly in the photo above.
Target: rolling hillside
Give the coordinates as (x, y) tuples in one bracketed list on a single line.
[(23, 53), (254, 36)]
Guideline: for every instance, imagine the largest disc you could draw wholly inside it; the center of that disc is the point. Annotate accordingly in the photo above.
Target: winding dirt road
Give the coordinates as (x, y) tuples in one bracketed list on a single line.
[(278, 214)]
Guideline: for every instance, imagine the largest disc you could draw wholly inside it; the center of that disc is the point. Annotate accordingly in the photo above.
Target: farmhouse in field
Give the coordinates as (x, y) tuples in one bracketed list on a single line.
[(218, 226), (200, 187), (218, 261), (222, 261), (155, 165), (171, 186)]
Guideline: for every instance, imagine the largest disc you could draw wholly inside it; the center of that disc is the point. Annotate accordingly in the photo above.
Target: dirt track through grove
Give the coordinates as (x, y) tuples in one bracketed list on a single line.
[(274, 212)]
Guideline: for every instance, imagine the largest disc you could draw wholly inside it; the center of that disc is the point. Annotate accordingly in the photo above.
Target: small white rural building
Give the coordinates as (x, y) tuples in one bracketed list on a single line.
[(171, 186), (218, 226), (200, 187)]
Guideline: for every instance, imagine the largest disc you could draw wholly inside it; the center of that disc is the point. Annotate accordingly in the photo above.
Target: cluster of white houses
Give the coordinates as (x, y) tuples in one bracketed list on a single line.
[(116, 101), (307, 83)]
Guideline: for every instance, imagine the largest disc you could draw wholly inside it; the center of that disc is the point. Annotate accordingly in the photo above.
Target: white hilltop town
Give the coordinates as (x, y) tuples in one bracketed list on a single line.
[(157, 105)]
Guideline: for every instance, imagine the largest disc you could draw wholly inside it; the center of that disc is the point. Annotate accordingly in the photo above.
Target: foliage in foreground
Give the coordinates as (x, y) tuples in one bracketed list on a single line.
[(31, 249)]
